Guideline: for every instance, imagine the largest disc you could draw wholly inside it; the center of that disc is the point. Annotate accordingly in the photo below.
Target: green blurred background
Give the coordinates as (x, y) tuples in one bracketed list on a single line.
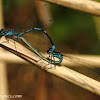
[(72, 32)]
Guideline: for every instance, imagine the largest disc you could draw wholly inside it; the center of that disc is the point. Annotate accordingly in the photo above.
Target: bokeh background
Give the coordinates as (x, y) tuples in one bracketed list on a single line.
[(71, 31)]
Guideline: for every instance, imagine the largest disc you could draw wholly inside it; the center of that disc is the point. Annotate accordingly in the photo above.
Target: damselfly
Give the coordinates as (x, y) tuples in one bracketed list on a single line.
[(51, 51)]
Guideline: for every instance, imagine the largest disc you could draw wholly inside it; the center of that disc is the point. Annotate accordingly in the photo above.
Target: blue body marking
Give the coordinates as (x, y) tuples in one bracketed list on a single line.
[(49, 51)]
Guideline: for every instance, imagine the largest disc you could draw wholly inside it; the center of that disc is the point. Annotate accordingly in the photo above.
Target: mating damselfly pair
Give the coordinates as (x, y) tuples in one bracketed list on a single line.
[(51, 51)]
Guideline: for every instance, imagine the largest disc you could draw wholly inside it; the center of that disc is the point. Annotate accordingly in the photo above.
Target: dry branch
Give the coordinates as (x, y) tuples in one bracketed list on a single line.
[(90, 61), (12, 58), (58, 70), (87, 6), (80, 60)]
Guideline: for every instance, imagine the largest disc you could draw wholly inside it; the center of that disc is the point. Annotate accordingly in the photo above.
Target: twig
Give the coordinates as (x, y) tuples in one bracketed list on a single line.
[(58, 70), (13, 58), (72, 60), (87, 6), (80, 60)]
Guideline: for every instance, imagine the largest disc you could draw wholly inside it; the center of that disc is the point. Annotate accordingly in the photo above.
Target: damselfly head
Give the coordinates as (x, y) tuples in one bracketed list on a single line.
[(2, 31), (9, 32), (49, 50)]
